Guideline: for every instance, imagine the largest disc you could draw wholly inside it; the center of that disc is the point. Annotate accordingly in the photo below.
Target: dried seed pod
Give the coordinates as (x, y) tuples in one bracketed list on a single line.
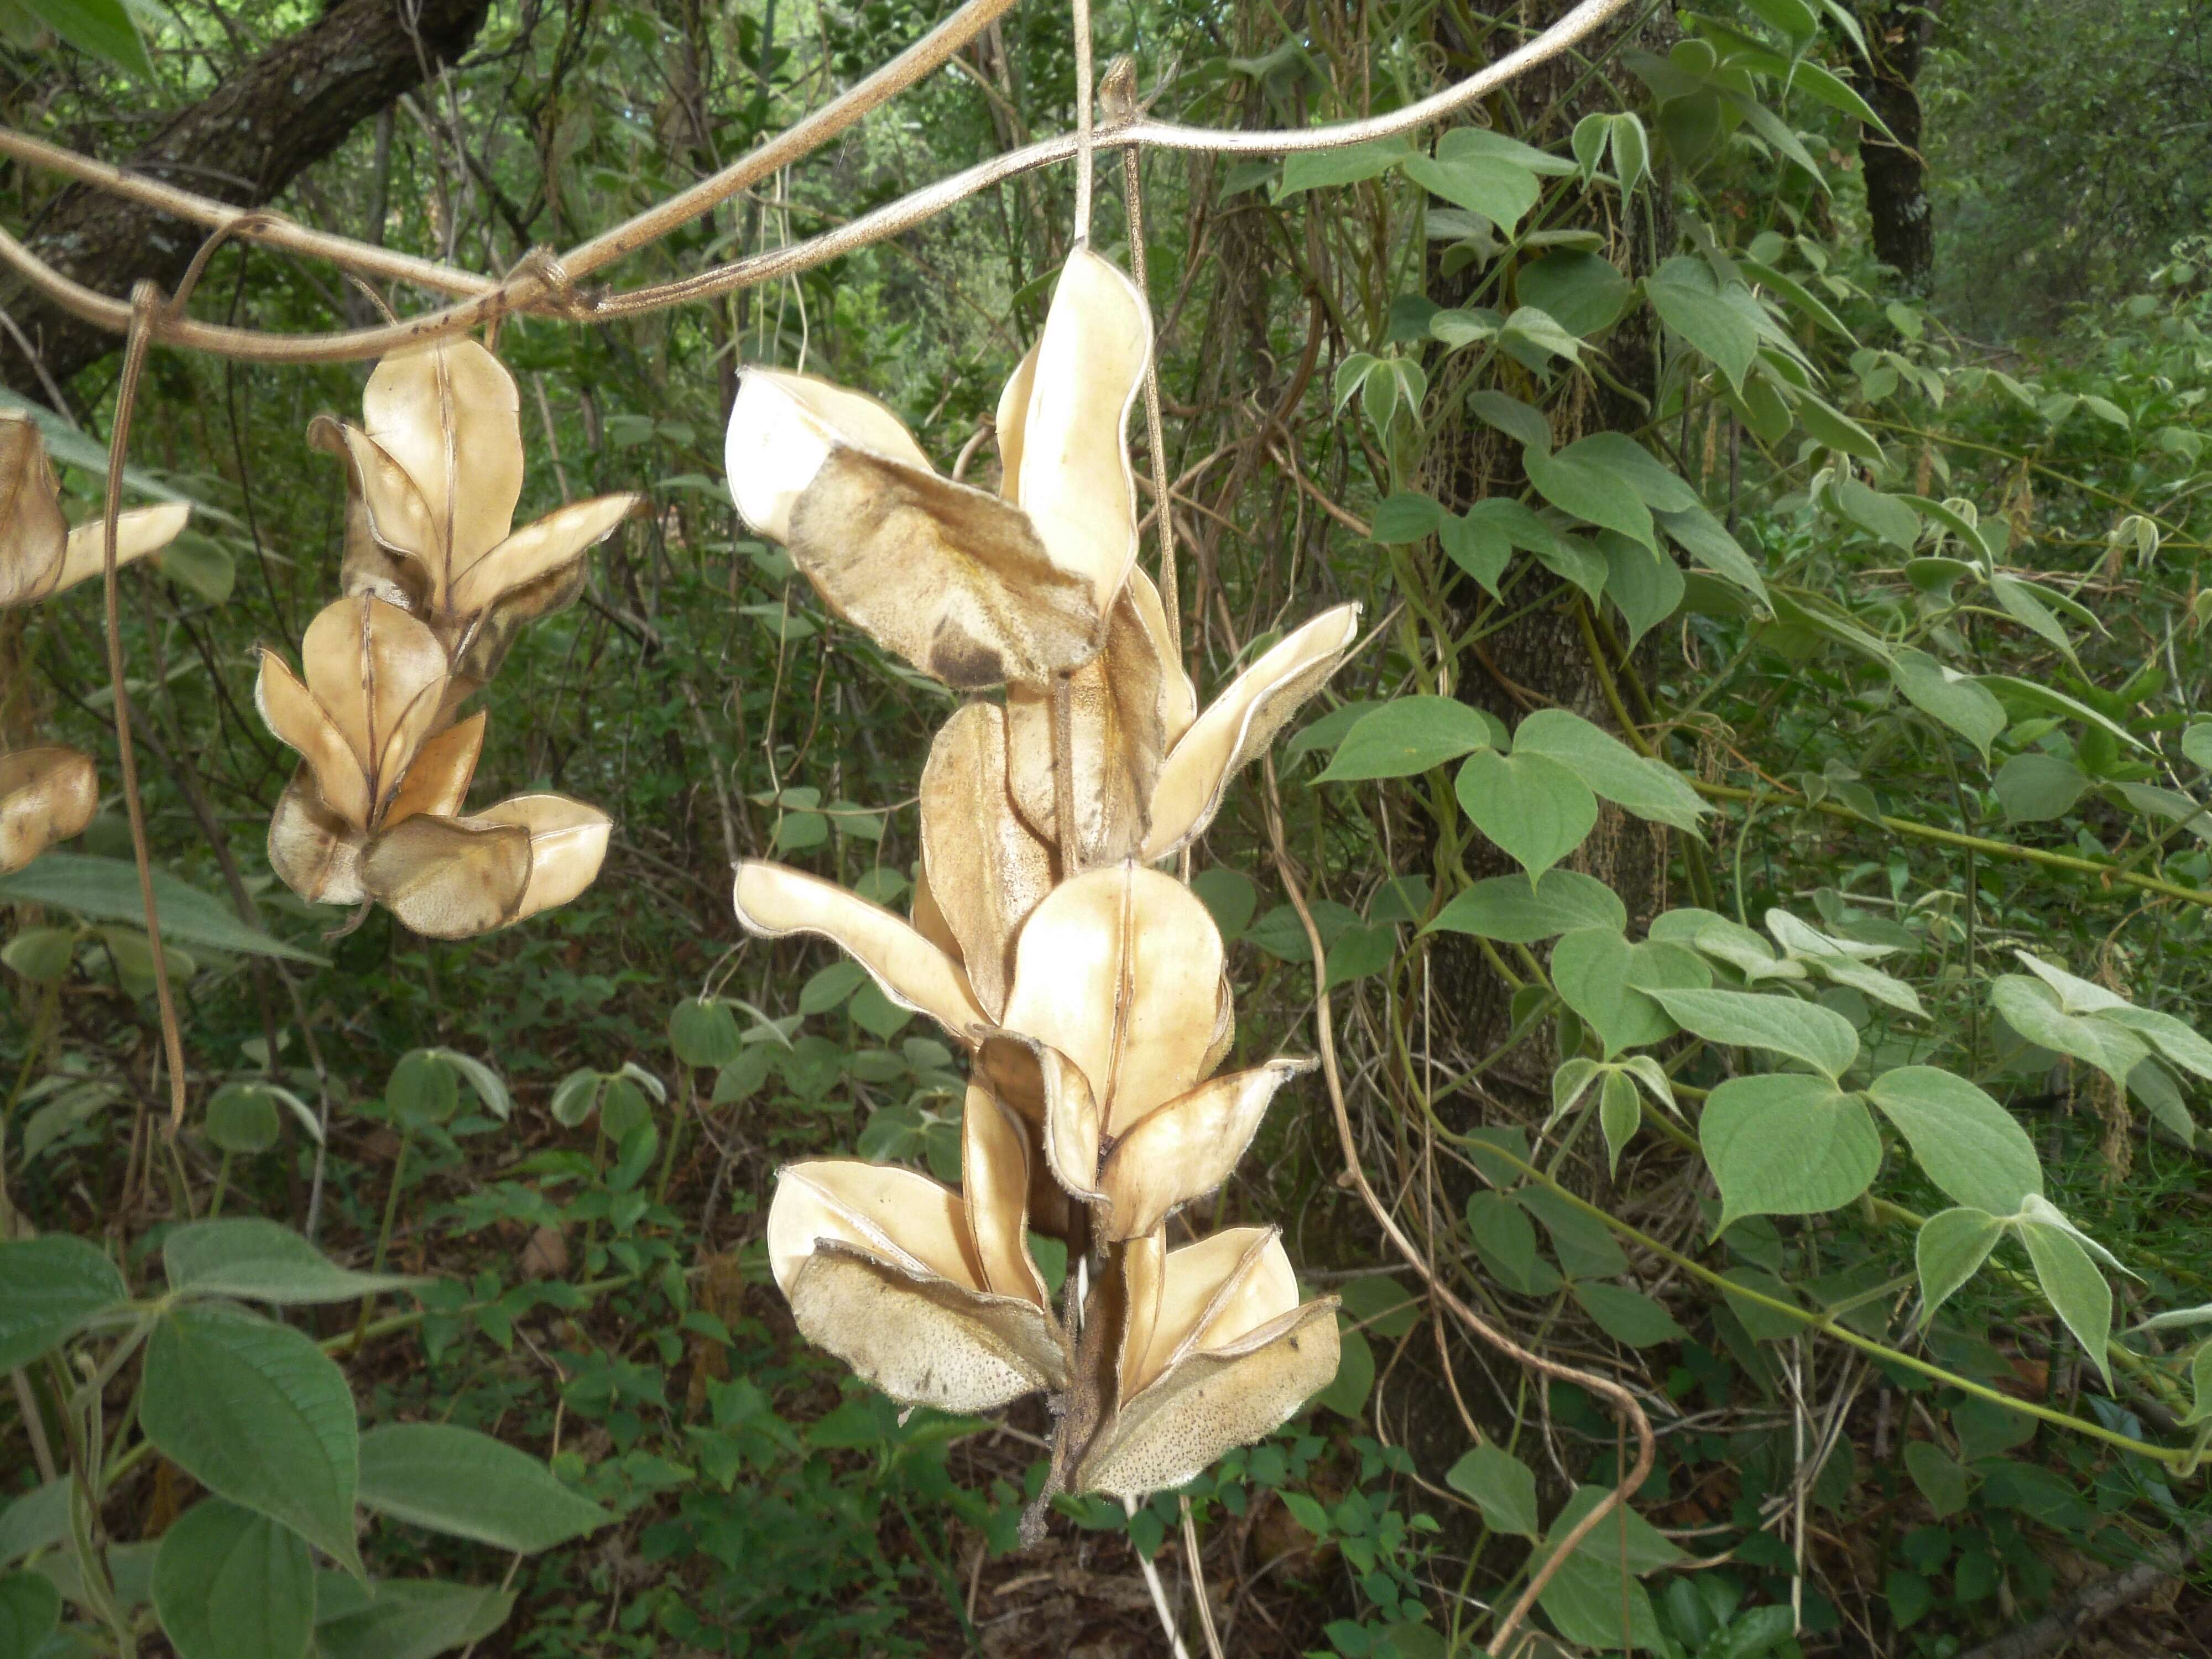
[(1126, 707), (974, 588), (946, 575), (1068, 456), (1218, 1353), (984, 868), (773, 901), (375, 678), (1187, 1147), (46, 794), (1239, 724), (39, 554), (1118, 970), (374, 810), (437, 779), (448, 877), (434, 474), (882, 1268), (568, 844), (312, 848)]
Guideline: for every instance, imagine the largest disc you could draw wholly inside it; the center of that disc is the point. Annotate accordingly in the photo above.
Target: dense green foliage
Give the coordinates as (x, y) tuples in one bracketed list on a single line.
[(1760, 855)]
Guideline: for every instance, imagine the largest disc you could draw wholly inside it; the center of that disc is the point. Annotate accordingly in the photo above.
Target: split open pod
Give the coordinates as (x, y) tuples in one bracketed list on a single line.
[(374, 810), (1126, 706), (1150, 770), (434, 473), (1216, 1352), (929, 1294), (39, 554), (1117, 1014), (46, 794), (973, 588), (983, 867), (1120, 1011)]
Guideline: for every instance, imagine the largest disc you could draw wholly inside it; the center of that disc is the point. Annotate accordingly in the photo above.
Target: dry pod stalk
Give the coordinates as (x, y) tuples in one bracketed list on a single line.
[(49, 793), (1088, 987), (437, 583)]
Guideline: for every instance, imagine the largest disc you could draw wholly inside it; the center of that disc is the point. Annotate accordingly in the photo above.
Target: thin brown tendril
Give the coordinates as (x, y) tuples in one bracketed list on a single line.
[(145, 304), (1624, 1403)]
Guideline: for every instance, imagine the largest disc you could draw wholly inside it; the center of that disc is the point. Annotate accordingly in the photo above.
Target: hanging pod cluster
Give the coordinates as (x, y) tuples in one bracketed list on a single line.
[(437, 583), (1087, 986), (49, 793)]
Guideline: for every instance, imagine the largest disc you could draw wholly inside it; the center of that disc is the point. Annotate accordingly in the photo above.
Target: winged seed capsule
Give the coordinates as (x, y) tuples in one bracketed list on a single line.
[(973, 588), (1094, 1001), (437, 583), (49, 793), (373, 811)]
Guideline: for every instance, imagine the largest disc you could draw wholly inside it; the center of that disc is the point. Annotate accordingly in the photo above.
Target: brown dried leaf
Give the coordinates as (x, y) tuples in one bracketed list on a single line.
[(46, 794), (568, 844), (447, 878), (1121, 705), (1239, 724), (546, 1254), (773, 900), (315, 851), (985, 870), (1188, 1147)]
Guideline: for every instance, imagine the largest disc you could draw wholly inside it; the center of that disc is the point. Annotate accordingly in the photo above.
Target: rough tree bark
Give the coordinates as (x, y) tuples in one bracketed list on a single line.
[(1897, 32), (1542, 660), (243, 144)]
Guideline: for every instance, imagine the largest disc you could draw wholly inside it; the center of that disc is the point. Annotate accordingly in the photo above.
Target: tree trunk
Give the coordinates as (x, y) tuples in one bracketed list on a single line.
[(1542, 660), (243, 144), (1896, 33)]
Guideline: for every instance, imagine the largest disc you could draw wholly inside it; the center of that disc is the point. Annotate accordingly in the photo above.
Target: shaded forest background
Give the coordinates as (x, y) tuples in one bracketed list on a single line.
[(2002, 303)]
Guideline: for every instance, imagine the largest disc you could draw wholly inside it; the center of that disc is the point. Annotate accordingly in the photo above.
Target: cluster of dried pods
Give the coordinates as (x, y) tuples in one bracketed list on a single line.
[(437, 583), (49, 793), (1087, 987)]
